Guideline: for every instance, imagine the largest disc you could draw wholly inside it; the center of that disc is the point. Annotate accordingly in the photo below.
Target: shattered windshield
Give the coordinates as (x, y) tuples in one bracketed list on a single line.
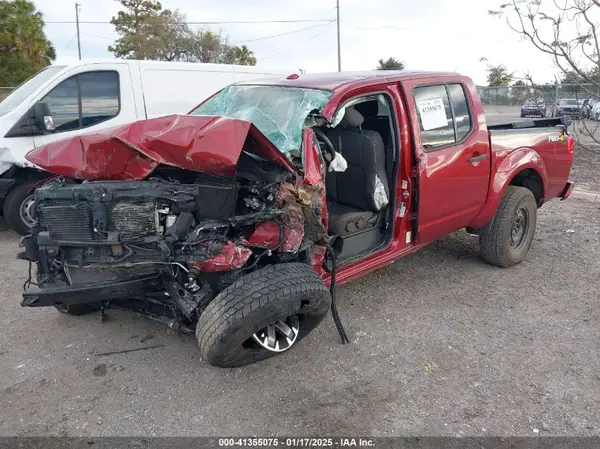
[(278, 112)]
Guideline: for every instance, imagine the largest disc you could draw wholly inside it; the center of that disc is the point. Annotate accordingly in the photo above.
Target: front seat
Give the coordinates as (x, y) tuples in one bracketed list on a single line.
[(370, 110), (356, 196)]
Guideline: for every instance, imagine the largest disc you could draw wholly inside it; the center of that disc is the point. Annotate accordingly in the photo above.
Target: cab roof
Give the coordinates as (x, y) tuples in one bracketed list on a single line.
[(336, 80)]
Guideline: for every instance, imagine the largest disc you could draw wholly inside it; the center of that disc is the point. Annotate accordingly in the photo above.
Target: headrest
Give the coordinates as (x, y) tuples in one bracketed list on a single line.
[(368, 108), (352, 118)]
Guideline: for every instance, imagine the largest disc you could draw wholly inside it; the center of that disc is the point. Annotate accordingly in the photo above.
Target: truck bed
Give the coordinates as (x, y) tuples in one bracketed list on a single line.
[(532, 123), (544, 138)]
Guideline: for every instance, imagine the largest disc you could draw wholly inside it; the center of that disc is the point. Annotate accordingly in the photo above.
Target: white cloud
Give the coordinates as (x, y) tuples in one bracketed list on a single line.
[(430, 35)]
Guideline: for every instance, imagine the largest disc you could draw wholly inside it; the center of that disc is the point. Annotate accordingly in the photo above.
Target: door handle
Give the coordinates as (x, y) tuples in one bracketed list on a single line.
[(475, 159)]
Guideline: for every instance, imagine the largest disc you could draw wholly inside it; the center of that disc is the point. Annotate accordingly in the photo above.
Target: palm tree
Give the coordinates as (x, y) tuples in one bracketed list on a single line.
[(239, 55), (390, 64), (23, 43)]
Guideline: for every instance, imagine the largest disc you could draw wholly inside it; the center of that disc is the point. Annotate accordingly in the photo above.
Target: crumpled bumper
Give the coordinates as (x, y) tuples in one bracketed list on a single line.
[(33, 296)]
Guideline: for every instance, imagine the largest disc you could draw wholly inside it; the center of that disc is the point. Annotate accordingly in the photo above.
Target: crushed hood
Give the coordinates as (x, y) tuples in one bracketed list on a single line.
[(202, 143)]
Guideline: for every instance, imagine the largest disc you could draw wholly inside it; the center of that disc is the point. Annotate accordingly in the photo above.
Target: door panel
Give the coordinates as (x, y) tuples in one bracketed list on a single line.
[(453, 155)]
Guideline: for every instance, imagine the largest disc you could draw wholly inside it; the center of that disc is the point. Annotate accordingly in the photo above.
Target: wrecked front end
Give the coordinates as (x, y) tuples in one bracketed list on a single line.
[(166, 244)]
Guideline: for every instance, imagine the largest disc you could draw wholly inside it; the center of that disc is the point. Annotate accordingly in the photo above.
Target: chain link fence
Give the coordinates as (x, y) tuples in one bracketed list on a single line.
[(4, 91), (510, 99)]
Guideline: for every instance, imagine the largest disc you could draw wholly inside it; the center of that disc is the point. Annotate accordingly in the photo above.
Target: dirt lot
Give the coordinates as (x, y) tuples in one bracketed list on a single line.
[(586, 167), (441, 344)]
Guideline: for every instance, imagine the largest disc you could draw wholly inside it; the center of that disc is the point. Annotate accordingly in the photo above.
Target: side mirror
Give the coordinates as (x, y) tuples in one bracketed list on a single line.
[(43, 117)]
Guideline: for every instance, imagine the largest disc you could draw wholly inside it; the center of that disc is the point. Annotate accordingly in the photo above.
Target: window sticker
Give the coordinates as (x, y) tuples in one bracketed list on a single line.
[(433, 114)]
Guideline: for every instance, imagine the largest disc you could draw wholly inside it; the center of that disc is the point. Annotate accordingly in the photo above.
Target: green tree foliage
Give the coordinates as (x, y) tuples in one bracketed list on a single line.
[(390, 64), (499, 76), (147, 31), (24, 47)]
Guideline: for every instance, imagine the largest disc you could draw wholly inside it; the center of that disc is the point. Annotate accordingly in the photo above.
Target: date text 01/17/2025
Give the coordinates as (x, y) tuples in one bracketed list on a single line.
[(296, 442)]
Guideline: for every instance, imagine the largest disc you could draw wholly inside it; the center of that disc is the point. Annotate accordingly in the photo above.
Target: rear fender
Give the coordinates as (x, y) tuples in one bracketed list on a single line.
[(516, 162)]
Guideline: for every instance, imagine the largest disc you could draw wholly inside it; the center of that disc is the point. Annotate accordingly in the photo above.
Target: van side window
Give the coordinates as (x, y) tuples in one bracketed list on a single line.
[(84, 100), (99, 96), (435, 116), (64, 105)]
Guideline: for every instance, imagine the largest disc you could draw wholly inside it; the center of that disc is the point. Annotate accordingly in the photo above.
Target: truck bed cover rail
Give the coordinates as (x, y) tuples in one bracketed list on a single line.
[(539, 123)]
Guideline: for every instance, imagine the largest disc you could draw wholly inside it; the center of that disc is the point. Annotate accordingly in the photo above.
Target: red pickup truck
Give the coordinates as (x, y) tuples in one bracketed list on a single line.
[(237, 220)]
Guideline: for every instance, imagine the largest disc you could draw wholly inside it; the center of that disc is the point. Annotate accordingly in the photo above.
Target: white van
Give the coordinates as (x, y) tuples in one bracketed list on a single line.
[(66, 100)]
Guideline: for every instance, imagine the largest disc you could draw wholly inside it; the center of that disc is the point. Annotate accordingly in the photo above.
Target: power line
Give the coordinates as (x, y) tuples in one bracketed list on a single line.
[(216, 22), (300, 43), (99, 37), (282, 34), (71, 40)]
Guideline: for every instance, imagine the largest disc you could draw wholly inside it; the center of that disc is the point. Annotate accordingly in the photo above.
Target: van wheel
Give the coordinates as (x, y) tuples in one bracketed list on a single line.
[(262, 314), (19, 208), (507, 238)]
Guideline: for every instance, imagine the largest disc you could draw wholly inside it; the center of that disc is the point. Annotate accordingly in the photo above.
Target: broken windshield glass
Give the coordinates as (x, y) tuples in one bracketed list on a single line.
[(278, 112)]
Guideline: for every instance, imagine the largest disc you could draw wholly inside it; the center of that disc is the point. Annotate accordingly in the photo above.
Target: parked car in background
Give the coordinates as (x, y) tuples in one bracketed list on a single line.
[(63, 101), (231, 221), (567, 106), (595, 111), (588, 105), (535, 108)]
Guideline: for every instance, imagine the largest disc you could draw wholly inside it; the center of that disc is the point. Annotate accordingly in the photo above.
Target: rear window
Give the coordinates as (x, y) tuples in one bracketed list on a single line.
[(444, 115)]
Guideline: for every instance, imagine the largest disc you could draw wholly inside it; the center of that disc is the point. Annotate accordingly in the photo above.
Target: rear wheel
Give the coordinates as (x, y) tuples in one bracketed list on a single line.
[(262, 314), (507, 238)]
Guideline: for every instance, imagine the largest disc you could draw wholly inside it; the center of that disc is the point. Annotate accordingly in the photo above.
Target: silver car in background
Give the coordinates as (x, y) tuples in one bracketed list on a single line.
[(569, 107)]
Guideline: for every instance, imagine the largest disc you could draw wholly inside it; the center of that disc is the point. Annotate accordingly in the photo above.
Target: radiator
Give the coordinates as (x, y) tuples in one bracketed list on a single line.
[(132, 220), (67, 221)]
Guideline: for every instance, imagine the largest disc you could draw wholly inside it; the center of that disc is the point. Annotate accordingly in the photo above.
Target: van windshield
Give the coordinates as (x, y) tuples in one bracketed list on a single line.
[(278, 112), (21, 93)]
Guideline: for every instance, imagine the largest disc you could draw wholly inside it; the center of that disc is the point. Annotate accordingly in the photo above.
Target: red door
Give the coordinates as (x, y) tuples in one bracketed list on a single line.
[(452, 148)]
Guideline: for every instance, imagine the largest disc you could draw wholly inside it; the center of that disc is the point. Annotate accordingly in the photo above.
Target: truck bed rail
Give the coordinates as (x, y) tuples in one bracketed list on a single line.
[(537, 123)]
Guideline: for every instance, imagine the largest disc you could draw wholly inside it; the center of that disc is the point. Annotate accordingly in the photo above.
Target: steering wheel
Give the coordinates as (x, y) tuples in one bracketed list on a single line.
[(329, 150)]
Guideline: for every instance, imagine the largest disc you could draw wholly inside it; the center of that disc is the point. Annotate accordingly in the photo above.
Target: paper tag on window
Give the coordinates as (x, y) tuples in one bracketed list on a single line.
[(433, 114)]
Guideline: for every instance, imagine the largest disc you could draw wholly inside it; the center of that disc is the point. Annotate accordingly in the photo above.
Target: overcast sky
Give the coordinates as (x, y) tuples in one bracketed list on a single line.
[(428, 34)]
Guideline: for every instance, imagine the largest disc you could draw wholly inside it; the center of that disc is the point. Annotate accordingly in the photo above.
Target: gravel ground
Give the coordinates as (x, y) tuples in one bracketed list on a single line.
[(586, 167), (442, 344)]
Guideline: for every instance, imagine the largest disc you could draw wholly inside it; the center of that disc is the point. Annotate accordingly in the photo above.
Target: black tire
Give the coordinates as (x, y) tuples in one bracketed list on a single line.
[(78, 309), (12, 207), (225, 328), (495, 238)]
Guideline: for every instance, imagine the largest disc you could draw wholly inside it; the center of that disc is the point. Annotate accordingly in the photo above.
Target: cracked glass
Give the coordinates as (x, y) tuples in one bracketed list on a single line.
[(278, 112)]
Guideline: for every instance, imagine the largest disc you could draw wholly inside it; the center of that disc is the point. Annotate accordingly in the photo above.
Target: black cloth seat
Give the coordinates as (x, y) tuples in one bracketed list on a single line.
[(356, 196), (344, 220), (381, 124)]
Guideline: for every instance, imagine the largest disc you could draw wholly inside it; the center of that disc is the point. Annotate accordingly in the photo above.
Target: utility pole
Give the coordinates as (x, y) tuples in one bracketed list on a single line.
[(77, 5), (338, 37)]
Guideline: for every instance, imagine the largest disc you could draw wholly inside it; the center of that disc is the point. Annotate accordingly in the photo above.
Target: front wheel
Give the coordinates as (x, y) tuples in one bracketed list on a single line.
[(507, 238), (19, 208), (262, 314)]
